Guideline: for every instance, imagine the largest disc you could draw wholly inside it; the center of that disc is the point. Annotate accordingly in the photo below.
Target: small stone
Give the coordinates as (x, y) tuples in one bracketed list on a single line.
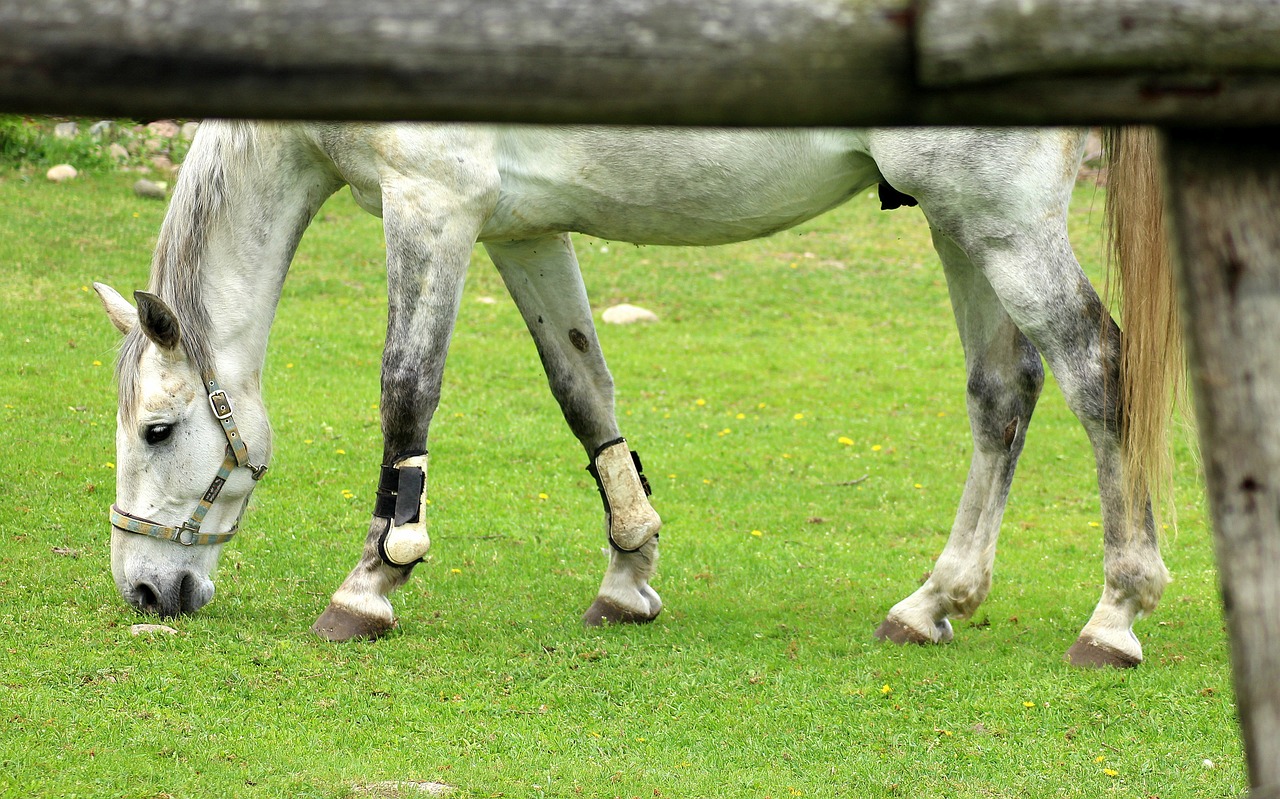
[(61, 172), (150, 189), (65, 130), (164, 128), (1207, 763), (152, 629), (118, 151), (102, 129), (625, 314), (189, 130)]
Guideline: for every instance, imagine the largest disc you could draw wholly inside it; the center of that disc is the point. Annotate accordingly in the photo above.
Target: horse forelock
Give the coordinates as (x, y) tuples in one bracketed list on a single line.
[(177, 266)]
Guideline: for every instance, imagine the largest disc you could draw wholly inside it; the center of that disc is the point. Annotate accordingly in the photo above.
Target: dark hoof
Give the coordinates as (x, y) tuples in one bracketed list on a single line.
[(601, 613), (339, 624), (892, 631), (1088, 653)]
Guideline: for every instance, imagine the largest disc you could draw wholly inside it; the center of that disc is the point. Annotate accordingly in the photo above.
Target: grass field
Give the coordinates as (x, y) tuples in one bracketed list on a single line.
[(760, 679)]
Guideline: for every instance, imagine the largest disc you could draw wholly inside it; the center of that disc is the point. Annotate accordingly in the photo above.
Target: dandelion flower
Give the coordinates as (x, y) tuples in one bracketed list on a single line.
[(1110, 772), (724, 432), (543, 496), (885, 689), (455, 571), (97, 363), (1028, 704), (741, 416), (798, 416), (757, 533), (848, 442), (699, 402), (876, 447), (340, 451)]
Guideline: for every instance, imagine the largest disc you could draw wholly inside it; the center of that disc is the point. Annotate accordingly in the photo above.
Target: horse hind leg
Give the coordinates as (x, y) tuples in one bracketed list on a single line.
[(1004, 381), (542, 277)]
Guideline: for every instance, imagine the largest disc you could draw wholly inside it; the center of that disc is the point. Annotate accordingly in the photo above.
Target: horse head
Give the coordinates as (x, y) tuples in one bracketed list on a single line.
[(183, 469)]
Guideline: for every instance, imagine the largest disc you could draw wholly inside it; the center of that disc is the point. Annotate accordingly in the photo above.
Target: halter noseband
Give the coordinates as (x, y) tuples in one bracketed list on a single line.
[(188, 533)]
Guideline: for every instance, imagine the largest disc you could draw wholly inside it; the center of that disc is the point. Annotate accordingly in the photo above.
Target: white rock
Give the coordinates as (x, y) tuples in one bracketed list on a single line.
[(61, 172), (152, 629), (189, 130), (65, 130), (627, 314), (118, 151), (150, 189)]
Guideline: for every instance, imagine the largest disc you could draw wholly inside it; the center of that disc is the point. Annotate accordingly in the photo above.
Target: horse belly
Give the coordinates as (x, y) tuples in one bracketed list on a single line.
[(673, 186)]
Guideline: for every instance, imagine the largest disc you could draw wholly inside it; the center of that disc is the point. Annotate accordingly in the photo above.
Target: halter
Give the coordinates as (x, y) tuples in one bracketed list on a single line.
[(188, 533)]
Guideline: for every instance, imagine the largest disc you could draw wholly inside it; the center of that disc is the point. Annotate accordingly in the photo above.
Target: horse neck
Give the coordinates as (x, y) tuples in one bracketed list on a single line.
[(246, 193)]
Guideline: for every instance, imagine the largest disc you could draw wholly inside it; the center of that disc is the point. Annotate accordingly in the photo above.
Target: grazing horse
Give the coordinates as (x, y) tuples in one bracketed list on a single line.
[(193, 438)]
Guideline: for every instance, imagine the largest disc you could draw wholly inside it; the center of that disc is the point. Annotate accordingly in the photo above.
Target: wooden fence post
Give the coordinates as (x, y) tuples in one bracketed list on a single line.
[(1225, 199)]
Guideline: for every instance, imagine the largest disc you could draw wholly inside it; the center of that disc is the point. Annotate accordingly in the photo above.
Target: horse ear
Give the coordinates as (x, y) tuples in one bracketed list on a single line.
[(159, 322), (119, 311)]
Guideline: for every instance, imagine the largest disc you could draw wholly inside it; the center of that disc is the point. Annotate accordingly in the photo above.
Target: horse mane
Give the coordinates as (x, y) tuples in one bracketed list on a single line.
[(177, 264)]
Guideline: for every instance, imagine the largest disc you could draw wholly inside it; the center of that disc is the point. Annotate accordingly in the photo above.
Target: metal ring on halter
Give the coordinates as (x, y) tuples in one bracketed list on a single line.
[(188, 533)]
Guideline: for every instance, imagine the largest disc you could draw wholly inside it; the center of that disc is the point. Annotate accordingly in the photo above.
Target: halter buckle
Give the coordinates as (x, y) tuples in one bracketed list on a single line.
[(220, 404), (186, 536)]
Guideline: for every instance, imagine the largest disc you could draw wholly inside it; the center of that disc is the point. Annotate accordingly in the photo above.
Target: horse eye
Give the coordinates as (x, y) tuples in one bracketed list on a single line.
[(157, 433)]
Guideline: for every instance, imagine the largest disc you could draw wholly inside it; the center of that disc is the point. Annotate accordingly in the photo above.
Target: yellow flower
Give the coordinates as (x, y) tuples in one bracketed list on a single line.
[(543, 496), (97, 363), (848, 442), (455, 571), (741, 416), (1028, 704), (798, 416), (876, 447), (340, 451), (885, 689), (757, 533), (1110, 772), (699, 402), (288, 366), (919, 486), (109, 465), (724, 432), (1099, 759)]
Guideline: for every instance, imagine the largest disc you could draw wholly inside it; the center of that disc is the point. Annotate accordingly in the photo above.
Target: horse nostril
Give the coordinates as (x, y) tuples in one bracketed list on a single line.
[(146, 598), (189, 599)]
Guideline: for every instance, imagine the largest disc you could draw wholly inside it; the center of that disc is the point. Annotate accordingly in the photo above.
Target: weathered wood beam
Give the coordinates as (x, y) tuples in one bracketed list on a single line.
[(1226, 209), (1208, 62), (736, 62), (792, 62)]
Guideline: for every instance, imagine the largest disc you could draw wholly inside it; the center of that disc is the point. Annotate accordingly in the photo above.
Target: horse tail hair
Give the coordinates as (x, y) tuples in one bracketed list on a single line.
[(1139, 268)]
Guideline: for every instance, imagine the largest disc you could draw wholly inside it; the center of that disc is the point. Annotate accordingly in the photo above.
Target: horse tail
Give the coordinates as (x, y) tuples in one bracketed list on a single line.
[(1151, 350)]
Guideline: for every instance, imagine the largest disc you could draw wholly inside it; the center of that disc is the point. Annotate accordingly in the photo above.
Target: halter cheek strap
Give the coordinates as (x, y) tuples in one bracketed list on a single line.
[(188, 533)]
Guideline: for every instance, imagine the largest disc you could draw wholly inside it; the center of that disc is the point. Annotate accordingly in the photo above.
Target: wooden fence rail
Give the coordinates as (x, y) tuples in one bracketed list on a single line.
[(1188, 66), (717, 62)]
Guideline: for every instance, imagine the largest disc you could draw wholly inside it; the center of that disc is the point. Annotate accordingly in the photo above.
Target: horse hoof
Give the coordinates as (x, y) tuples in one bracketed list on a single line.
[(339, 624), (1089, 653), (603, 612), (896, 632)]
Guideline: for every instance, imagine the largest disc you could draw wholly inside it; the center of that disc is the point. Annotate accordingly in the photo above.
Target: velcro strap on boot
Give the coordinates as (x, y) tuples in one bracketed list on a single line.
[(402, 500), (631, 520)]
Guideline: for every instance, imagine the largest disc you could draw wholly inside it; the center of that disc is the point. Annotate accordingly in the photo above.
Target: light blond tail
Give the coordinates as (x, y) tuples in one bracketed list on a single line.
[(1139, 268)]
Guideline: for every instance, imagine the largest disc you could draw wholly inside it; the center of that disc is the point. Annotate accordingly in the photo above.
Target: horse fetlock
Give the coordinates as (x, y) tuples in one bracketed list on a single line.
[(632, 521)]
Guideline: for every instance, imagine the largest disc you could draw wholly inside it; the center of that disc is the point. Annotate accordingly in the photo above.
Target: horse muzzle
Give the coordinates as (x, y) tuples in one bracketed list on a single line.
[(174, 594)]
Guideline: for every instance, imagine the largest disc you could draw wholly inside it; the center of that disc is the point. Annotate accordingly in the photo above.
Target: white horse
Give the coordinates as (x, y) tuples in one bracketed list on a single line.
[(193, 436)]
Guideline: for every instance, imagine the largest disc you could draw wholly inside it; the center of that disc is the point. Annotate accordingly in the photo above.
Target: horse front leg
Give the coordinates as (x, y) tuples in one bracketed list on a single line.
[(427, 257), (543, 279)]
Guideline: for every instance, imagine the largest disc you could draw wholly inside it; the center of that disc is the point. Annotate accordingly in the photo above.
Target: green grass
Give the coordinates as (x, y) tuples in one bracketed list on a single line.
[(760, 679)]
